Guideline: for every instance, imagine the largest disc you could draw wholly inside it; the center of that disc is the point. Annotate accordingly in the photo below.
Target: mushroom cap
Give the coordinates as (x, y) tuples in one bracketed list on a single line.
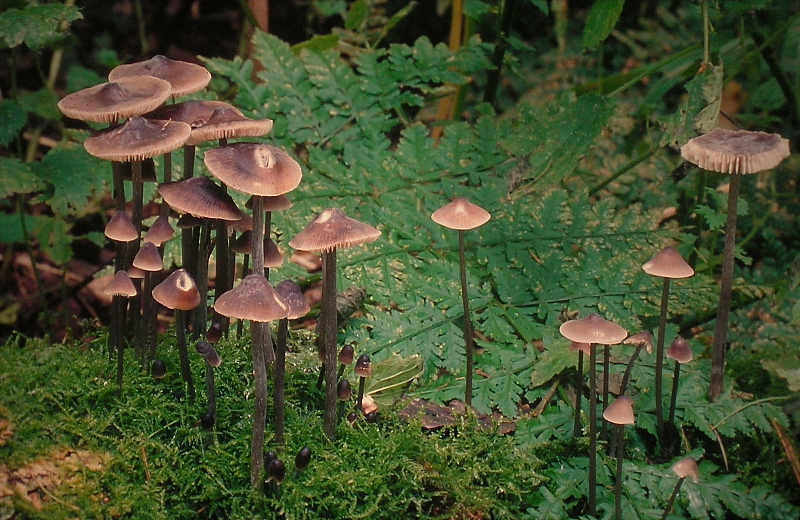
[(593, 329), (644, 337), (680, 351), (332, 229), (137, 139), (583, 347), (346, 355), (160, 231), (108, 102), (224, 123), (194, 112), (254, 168), (736, 151), (182, 76), (303, 458), (620, 411), (253, 299), (158, 369), (276, 471), (209, 353), (201, 197), (293, 296), (120, 228), (344, 391), (461, 214), (120, 285), (135, 273), (276, 203), (668, 263), (687, 468), (177, 291), (363, 366), (148, 258), (244, 245)]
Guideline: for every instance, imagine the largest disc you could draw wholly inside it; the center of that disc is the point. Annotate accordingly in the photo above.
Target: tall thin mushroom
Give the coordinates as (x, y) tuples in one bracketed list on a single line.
[(619, 413)]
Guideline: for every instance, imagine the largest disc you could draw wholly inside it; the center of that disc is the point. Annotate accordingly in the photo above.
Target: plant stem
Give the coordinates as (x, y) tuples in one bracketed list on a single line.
[(467, 320), (672, 498), (662, 328), (329, 338), (576, 428), (674, 399), (211, 392), (627, 376), (592, 430), (280, 380), (183, 353), (618, 480), (706, 32), (725, 293), (500, 45)]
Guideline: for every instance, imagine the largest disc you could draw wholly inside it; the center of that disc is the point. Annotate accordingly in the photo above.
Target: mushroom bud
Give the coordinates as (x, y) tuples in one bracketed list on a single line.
[(302, 459)]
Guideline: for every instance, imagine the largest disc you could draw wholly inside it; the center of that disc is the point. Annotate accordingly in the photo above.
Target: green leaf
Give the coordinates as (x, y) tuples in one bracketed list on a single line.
[(553, 361), (12, 120), (11, 227), (391, 378), (54, 239), (37, 25), (75, 176), (543, 5), (601, 21), (17, 177), (357, 15), (42, 102), (317, 43), (698, 114), (79, 78)]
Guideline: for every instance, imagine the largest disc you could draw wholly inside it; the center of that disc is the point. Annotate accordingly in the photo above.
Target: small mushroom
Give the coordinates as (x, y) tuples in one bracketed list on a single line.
[(683, 468), (619, 413), (681, 352), (363, 370), (213, 360)]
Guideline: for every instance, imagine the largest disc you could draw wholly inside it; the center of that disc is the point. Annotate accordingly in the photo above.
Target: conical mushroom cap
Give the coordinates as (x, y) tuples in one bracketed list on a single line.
[(225, 123), (108, 102), (290, 292), (137, 139), (160, 231), (254, 168), (687, 468), (680, 351), (177, 291), (253, 299), (593, 329), (644, 338), (183, 77), (620, 411), (120, 228), (461, 214), (332, 229), (148, 258), (736, 151), (201, 197), (195, 112), (120, 285), (668, 263)]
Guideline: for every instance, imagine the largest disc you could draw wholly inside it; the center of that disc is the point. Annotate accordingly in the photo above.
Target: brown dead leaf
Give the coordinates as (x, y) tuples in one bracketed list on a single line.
[(6, 432)]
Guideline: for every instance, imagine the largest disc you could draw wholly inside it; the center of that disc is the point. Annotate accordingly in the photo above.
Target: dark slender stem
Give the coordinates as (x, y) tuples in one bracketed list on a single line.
[(662, 326), (672, 498), (361, 382), (204, 251), (576, 428), (118, 306), (280, 386), (592, 430), (500, 46), (606, 366), (211, 392), (627, 376), (245, 269), (329, 340), (725, 291), (468, 336), (183, 353), (618, 481), (674, 399)]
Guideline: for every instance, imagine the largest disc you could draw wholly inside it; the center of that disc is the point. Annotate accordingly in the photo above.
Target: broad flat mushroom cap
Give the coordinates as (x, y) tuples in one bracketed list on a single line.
[(183, 77), (194, 112), (290, 292), (120, 285), (137, 139), (108, 102), (461, 214), (668, 263), (736, 151), (225, 123), (254, 168), (120, 228), (593, 329), (680, 351), (620, 411), (687, 468), (177, 291), (200, 197), (332, 229), (253, 299)]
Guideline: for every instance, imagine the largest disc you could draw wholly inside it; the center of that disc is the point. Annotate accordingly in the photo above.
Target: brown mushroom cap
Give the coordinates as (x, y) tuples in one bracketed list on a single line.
[(332, 229), (120, 228), (209, 353), (244, 245), (135, 273), (363, 366), (148, 258), (668, 263), (253, 299), (225, 123), (680, 351), (736, 151), (194, 112), (108, 102), (644, 337), (254, 168), (183, 77), (620, 411), (160, 231), (593, 329), (201, 197), (178, 291), (583, 347), (290, 292), (137, 139), (120, 285), (687, 468), (276, 203), (461, 214)]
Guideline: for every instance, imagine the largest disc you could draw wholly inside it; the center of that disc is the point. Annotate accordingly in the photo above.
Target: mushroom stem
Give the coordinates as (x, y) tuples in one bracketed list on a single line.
[(223, 282), (674, 399), (245, 270), (118, 308), (329, 330), (606, 365), (618, 478), (183, 353), (188, 247), (203, 254), (662, 326), (361, 383), (592, 430), (726, 283), (211, 392), (627, 376), (672, 498), (576, 428), (280, 385), (467, 321)]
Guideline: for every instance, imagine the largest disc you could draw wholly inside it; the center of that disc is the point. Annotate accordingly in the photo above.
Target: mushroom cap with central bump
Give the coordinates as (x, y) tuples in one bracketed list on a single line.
[(160, 231), (225, 123), (461, 214), (108, 102), (183, 77), (644, 338), (668, 263), (736, 151), (137, 139), (148, 258), (254, 168), (687, 468), (253, 299), (332, 229), (120, 285), (291, 293), (178, 291), (620, 411), (200, 197), (195, 112), (120, 228), (593, 329), (680, 351)]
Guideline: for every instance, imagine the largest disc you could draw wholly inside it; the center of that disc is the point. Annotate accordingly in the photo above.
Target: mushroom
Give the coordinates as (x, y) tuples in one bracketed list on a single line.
[(302, 460), (667, 264), (461, 215), (735, 152), (593, 330), (119, 288), (683, 468), (681, 352), (148, 260), (363, 370), (582, 348), (329, 231), (183, 77), (642, 340), (619, 413), (213, 360)]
